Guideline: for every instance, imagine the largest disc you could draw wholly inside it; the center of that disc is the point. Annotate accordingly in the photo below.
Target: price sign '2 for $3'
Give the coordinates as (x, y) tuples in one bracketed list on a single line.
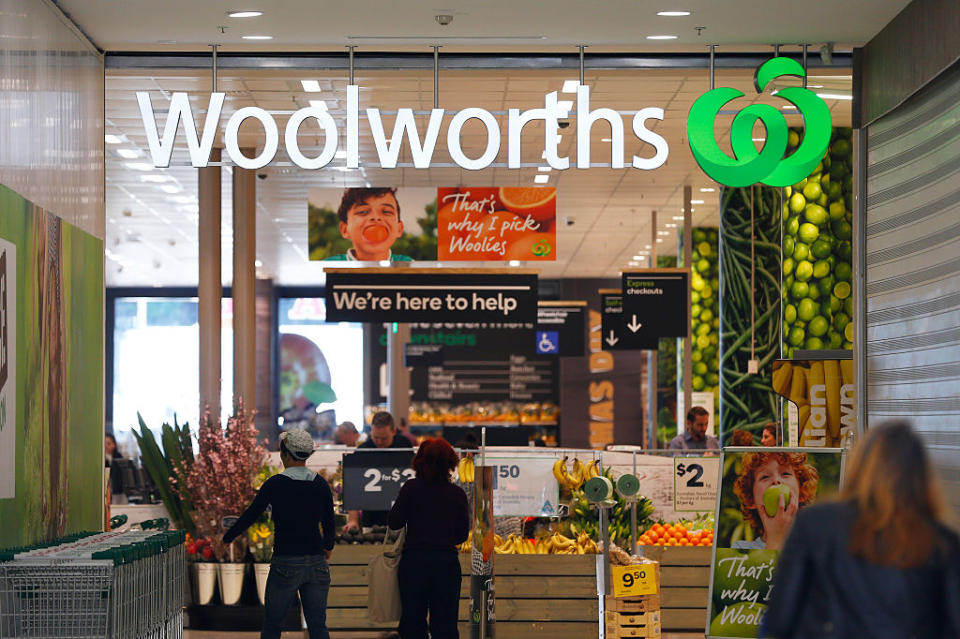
[(376, 478)]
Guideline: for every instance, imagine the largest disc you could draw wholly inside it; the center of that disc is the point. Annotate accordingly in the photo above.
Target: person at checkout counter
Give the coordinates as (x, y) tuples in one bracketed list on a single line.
[(383, 434)]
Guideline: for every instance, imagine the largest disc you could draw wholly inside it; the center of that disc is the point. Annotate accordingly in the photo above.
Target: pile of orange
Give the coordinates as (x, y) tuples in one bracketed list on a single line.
[(676, 535)]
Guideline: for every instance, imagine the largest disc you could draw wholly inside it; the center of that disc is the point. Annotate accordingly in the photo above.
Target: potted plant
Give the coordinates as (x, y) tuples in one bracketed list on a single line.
[(220, 483), (203, 569), (260, 537)]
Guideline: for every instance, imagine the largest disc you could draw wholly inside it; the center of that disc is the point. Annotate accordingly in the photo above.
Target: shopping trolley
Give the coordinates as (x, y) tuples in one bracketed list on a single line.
[(115, 585)]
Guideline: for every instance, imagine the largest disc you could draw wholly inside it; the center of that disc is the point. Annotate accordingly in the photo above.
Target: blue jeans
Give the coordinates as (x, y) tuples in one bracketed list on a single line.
[(309, 574)]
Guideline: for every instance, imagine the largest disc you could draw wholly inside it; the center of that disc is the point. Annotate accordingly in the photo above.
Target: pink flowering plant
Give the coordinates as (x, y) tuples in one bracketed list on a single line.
[(220, 479)]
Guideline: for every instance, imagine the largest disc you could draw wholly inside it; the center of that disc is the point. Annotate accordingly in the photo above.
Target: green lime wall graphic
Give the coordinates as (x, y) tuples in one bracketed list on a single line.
[(768, 165), (705, 311), (817, 252)]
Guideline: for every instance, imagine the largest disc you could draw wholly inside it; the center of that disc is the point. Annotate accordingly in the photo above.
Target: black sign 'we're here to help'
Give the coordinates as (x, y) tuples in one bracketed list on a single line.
[(656, 303), (430, 295)]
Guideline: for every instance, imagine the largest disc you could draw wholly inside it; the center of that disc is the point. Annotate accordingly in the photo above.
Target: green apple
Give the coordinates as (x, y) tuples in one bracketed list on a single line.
[(771, 498)]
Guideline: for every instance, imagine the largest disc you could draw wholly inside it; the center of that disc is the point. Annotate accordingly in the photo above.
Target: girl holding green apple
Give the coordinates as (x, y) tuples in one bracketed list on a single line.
[(772, 487)]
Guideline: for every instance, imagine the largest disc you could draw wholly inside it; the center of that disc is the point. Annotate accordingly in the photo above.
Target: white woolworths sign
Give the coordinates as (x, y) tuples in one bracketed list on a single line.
[(422, 144)]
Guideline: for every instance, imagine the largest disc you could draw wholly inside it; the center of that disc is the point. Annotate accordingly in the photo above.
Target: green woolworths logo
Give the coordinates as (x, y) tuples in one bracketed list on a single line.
[(767, 166)]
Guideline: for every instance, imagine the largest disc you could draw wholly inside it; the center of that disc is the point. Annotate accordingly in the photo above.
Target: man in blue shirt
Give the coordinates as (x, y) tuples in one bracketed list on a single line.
[(694, 436)]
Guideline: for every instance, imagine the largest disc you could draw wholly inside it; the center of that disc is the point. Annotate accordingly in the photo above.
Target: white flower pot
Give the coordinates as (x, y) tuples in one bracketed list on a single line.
[(231, 582), (205, 575), (261, 571)]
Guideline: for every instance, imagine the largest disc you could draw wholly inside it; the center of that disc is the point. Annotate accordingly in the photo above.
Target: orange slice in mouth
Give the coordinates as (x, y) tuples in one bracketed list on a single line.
[(375, 234)]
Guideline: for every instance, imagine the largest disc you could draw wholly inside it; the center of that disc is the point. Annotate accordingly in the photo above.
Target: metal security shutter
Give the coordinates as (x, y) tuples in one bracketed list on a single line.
[(913, 270)]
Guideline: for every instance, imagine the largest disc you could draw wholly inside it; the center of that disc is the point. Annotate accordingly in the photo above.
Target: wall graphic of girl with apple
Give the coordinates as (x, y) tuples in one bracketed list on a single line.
[(761, 492), (772, 488)]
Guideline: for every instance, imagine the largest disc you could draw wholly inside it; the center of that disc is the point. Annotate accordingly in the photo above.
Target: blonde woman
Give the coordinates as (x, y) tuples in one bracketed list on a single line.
[(879, 562)]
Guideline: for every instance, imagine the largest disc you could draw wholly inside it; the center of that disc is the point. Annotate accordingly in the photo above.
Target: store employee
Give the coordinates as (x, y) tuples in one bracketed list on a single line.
[(383, 434)]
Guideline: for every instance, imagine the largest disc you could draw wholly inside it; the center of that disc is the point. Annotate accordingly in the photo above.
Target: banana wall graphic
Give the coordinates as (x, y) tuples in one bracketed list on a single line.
[(51, 323), (822, 396)]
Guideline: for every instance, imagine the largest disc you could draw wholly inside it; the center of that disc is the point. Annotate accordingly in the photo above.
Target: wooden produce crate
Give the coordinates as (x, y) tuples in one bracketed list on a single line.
[(536, 595), (619, 624), (684, 586)]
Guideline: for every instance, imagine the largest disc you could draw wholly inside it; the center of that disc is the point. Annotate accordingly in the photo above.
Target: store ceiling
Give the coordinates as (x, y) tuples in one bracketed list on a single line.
[(152, 214), (137, 25)]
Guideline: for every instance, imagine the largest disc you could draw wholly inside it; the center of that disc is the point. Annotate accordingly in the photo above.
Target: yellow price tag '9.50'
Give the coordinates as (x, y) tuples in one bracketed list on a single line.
[(634, 580)]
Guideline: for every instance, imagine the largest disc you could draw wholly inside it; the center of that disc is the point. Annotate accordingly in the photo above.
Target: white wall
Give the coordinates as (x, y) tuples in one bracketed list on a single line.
[(51, 114)]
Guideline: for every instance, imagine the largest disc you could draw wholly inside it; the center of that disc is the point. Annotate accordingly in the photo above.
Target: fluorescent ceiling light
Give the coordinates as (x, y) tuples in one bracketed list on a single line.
[(814, 86), (258, 37), (541, 179), (759, 139), (662, 37), (319, 104), (138, 166), (514, 263), (659, 240), (663, 232), (670, 226), (678, 217), (707, 189), (169, 188), (633, 264), (311, 86), (257, 263), (696, 201), (605, 140), (673, 14), (244, 14), (570, 86), (112, 139), (128, 153), (835, 96), (788, 107), (544, 169)]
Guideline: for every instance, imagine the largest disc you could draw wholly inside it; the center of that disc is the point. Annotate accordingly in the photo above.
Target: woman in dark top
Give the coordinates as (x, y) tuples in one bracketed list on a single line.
[(879, 562), (435, 513), (301, 501)]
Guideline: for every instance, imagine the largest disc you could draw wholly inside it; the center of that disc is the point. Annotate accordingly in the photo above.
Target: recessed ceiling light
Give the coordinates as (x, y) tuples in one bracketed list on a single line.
[(670, 226), (319, 104), (678, 217), (673, 14), (659, 240), (663, 232), (112, 139), (662, 37), (244, 14), (835, 96), (541, 179), (707, 189), (138, 166), (258, 37), (169, 188), (311, 86), (514, 263), (570, 86), (544, 169), (696, 201), (257, 263)]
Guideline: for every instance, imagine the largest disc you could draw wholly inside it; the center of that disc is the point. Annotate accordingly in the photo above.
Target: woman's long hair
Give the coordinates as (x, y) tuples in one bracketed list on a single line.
[(435, 460), (899, 504)]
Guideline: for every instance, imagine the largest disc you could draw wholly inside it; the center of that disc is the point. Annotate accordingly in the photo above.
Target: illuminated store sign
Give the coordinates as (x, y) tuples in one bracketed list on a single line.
[(405, 126)]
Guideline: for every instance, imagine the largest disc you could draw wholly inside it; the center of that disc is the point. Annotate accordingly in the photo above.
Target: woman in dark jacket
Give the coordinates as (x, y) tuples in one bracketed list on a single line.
[(879, 562), (435, 513)]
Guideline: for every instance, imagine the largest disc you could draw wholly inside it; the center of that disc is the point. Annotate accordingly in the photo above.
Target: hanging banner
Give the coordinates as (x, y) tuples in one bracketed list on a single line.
[(490, 224), (561, 328), (524, 487), (822, 394), (430, 295), (761, 492), (656, 303), (8, 369), (617, 335)]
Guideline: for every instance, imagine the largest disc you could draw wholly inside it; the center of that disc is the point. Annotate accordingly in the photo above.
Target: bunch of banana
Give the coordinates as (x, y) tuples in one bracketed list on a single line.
[(818, 391), (515, 545), (581, 473), (465, 470), (467, 546)]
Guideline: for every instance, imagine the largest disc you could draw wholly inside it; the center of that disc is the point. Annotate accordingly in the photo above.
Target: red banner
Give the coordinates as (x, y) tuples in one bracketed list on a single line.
[(491, 224)]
